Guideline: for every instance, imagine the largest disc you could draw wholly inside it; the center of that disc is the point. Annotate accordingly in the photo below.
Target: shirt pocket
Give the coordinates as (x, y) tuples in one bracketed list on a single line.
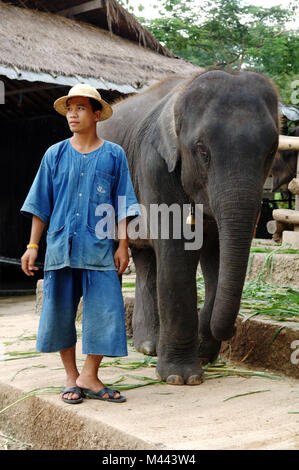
[(102, 187), (56, 246)]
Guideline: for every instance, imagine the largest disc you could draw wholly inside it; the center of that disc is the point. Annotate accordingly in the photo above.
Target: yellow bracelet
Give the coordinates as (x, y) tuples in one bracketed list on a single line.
[(32, 245)]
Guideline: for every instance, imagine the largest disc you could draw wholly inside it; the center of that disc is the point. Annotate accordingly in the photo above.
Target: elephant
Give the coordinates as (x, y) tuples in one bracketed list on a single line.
[(207, 140), (284, 165)]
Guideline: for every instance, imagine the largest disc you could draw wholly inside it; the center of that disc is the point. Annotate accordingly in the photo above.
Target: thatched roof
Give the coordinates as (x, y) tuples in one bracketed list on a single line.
[(105, 14), (42, 42)]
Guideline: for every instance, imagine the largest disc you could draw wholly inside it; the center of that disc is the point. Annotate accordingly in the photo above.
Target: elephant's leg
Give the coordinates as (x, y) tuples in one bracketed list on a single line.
[(209, 261), (178, 361), (145, 315)]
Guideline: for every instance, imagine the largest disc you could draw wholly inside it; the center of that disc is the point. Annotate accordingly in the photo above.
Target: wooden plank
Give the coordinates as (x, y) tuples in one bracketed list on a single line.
[(287, 142), (85, 7), (286, 215)]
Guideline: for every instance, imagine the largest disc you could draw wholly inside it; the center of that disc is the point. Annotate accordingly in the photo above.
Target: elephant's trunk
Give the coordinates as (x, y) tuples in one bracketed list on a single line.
[(236, 216)]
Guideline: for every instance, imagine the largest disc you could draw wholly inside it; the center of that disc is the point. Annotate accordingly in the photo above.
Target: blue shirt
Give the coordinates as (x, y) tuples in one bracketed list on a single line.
[(68, 192)]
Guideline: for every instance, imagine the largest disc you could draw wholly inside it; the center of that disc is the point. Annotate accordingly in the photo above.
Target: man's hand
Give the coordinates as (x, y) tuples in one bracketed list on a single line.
[(121, 258), (28, 259)]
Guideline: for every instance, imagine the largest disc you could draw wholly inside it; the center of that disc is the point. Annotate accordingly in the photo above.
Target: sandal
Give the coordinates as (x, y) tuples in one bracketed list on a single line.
[(99, 395), (76, 390)]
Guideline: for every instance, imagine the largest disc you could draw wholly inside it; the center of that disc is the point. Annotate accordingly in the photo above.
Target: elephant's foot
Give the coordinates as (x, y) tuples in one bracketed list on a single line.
[(145, 334), (180, 374), (208, 350), (147, 347)]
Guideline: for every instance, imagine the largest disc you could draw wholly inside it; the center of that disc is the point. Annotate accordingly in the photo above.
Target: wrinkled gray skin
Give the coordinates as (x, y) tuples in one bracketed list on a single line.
[(210, 139), (285, 165)]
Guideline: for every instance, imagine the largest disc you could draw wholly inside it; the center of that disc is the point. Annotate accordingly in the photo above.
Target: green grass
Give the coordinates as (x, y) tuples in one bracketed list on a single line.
[(278, 303)]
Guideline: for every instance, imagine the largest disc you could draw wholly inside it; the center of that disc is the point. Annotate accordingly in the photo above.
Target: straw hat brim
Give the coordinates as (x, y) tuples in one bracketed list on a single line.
[(60, 105)]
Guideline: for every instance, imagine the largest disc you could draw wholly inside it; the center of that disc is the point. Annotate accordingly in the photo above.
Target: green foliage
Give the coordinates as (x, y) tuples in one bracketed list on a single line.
[(126, 5), (231, 34)]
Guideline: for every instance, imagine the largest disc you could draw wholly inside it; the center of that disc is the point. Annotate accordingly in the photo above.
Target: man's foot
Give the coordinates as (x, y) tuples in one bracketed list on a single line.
[(72, 395), (103, 393), (95, 386), (72, 391)]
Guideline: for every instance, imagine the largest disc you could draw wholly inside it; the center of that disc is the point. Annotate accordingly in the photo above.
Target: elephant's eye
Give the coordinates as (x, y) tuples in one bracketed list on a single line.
[(204, 153)]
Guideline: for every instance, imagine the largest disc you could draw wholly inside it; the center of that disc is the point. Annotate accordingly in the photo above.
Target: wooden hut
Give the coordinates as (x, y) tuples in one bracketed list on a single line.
[(47, 47)]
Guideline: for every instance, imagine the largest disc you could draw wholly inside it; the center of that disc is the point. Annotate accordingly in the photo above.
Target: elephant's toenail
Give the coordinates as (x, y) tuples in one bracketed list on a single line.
[(195, 380), (175, 380)]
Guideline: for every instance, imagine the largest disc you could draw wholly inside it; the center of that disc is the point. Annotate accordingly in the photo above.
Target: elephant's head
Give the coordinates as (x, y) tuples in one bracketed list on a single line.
[(225, 132)]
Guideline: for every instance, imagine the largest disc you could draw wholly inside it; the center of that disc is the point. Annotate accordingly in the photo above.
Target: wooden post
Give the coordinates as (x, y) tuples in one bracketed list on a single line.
[(285, 215)]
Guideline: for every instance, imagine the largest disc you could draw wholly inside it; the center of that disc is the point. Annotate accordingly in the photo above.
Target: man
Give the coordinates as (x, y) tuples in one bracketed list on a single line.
[(77, 177)]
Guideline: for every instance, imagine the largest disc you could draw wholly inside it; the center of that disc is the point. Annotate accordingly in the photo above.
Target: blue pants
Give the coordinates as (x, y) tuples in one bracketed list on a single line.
[(103, 324)]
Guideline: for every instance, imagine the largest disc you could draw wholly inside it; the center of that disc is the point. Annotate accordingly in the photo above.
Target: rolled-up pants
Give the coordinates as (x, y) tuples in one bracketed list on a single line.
[(103, 322)]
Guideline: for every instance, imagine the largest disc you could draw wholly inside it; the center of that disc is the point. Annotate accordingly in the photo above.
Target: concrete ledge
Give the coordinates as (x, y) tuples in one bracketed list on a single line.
[(265, 344), (33, 421), (155, 417), (291, 237), (282, 270)]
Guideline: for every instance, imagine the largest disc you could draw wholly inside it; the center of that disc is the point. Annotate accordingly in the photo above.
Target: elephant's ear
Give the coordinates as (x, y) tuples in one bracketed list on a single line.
[(166, 140)]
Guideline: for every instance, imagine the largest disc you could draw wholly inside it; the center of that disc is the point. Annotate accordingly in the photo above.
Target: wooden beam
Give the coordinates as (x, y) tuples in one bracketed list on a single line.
[(85, 7), (286, 216), (287, 142)]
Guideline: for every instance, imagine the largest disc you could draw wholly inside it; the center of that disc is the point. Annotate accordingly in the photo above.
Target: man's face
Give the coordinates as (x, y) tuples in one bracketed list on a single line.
[(80, 116)]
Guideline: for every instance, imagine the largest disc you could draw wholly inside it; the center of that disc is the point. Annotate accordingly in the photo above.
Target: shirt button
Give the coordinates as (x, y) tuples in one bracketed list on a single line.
[(80, 194), (77, 214), (83, 156), (75, 233), (82, 174)]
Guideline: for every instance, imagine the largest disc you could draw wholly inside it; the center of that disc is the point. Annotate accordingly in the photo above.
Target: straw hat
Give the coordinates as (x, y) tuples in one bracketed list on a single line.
[(83, 89)]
